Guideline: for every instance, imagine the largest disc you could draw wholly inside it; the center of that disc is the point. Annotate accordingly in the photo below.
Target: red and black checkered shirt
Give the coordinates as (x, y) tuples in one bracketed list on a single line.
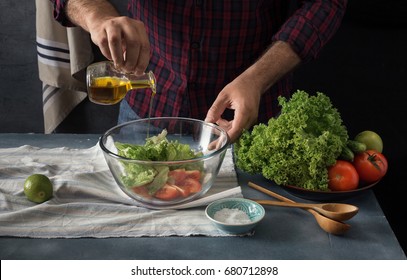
[(200, 46)]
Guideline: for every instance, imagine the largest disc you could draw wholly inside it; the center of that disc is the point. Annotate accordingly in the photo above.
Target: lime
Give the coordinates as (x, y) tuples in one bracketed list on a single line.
[(38, 188), (371, 139)]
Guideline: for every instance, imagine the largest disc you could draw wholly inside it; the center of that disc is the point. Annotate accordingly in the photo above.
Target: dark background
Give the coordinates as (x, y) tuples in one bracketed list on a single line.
[(363, 69)]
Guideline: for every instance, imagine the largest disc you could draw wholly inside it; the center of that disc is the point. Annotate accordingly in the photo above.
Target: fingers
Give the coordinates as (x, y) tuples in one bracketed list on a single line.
[(238, 125), (244, 116), (217, 144), (216, 110), (124, 41), (233, 128), (100, 39), (137, 48), (114, 45)]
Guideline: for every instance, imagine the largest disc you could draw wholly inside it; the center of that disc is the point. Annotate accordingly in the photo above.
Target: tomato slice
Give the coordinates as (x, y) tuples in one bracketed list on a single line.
[(141, 191), (193, 174), (186, 182), (342, 176), (177, 176), (167, 192), (192, 185), (184, 192)]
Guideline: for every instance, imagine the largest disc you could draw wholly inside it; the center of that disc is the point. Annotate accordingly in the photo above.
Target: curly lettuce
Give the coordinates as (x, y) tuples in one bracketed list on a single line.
[(296, 147)]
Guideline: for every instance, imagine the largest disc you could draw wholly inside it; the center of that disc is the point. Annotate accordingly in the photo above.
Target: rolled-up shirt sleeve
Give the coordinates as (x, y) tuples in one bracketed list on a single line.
[(59, 13), (311, 26)]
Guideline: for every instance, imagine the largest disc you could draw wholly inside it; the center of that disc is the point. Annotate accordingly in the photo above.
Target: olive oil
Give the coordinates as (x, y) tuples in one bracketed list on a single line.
[(107, 85), (111, 90)]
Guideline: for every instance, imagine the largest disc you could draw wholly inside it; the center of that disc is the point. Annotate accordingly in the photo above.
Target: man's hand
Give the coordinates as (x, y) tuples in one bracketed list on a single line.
[(243, 94), (241, 97), (120, 39), (124, 41)]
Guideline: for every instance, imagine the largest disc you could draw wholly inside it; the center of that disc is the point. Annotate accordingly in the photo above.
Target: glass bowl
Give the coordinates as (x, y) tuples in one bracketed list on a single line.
[(179, 164)]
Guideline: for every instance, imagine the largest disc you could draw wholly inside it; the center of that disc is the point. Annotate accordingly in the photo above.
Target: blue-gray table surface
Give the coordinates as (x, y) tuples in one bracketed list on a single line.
[(284, 234)]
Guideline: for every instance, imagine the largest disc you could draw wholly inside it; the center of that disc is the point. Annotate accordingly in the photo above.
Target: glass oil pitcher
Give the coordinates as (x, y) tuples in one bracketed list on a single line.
[(107, 86)]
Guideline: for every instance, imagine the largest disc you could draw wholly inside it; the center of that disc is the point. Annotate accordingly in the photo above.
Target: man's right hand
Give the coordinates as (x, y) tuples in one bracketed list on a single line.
[(124, 41), (120, 39)]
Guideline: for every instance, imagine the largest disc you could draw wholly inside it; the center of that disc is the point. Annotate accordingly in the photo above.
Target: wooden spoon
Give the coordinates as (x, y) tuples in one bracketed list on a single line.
[(327, 224), (335, 211)]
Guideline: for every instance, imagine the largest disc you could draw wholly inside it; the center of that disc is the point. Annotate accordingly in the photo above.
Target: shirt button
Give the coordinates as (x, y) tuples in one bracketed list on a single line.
[(195, 45)]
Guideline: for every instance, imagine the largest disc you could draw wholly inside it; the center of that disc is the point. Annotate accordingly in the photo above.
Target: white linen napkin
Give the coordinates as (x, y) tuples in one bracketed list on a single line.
[(87, 201)]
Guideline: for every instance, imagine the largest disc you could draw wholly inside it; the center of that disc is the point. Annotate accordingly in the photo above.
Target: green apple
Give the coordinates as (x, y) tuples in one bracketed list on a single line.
[(371, 139)]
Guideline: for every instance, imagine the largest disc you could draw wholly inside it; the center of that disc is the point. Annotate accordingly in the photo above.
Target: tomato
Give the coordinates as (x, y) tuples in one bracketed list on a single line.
[(189, 186), (342, 176), (177, 176), (192, 185), (180, 182), (371, 139), (370, 165), (142, 191), (194, 174), (184, 192), (167, 192)]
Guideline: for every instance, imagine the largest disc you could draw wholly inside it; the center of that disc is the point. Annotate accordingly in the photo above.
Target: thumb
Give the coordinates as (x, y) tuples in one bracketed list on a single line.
[(209, 117), (216, 110)]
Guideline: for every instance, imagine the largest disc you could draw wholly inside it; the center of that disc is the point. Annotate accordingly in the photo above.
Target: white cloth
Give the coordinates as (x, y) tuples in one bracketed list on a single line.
[(87, 201), (63, 55)]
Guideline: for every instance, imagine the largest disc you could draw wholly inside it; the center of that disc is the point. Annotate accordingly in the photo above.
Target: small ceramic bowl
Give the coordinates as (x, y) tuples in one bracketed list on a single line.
[(237, 216)]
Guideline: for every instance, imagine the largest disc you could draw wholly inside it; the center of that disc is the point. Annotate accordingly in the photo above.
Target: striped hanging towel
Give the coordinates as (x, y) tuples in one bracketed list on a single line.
[(63, 55)]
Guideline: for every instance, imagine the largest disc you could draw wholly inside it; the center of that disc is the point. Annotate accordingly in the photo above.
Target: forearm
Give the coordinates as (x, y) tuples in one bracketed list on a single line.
[(87, 12), (311, 26), (319, 19), (275, 63)]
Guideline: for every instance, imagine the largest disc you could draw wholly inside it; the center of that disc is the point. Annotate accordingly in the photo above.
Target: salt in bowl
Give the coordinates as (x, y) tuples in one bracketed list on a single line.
[(235, 215)]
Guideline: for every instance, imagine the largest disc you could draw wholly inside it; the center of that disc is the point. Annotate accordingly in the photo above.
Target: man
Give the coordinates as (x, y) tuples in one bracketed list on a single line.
[(222, 61)]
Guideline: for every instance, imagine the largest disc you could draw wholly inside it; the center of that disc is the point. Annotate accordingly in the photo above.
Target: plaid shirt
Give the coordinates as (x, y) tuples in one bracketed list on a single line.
[(200, 46)]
